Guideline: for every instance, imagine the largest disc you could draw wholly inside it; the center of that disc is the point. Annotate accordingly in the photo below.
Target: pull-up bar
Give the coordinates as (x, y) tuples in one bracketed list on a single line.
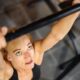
[(42, 22)]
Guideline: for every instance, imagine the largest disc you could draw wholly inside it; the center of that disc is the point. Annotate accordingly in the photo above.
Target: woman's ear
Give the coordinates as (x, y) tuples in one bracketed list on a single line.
[(9, 58)]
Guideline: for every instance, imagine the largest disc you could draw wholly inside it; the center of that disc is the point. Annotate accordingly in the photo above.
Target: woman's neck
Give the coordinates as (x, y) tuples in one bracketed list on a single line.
[(25, 74)]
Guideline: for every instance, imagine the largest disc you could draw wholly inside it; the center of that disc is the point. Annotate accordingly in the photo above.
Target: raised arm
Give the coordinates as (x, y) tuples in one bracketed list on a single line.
[(58, 32), (3, 31)]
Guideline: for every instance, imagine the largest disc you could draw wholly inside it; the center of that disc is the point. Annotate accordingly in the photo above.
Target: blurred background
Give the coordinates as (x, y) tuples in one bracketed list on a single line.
[(18, 13)]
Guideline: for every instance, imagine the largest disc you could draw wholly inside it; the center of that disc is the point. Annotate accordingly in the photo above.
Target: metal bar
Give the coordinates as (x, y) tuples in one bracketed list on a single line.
[(66, 4), (42, 22), (71, 37), (69, 68)]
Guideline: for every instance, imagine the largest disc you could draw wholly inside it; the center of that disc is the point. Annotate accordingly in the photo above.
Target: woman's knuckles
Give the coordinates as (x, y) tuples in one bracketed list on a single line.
[(2, 42)]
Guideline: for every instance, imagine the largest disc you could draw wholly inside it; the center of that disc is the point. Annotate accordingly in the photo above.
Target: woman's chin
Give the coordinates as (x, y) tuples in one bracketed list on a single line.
[(30, 65)]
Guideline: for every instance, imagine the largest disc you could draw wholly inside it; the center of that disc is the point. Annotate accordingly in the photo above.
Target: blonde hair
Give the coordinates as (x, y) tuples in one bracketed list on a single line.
[(30, 37)]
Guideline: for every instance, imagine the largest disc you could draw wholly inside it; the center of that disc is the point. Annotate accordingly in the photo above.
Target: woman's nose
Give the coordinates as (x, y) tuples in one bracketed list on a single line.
[(26, 54)]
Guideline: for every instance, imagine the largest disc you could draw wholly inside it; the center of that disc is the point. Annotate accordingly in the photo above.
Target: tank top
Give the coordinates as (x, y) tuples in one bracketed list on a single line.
[(36, 73)]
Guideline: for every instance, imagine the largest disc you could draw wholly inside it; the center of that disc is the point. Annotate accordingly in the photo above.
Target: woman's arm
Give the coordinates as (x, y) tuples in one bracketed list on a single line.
[(58, 32), (2, 61), (3, 31), (2, 65)]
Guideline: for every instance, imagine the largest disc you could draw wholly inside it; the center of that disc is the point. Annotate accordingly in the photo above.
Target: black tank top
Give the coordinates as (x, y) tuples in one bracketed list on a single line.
[(36, 73)]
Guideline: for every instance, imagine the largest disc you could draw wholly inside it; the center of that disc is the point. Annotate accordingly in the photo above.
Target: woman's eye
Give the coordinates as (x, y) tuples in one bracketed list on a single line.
[(29, 47), (18, 53)]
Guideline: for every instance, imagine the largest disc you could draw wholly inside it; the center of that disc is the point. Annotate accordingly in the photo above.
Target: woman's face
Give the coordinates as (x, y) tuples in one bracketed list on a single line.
[(21, 53)]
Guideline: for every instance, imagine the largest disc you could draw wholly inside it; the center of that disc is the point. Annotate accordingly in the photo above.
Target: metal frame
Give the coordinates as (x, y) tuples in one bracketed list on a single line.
[(42, 22)]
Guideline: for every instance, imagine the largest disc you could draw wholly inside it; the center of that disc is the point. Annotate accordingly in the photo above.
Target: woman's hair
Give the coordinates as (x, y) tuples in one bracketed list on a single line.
[(30, 37), (4, 53)]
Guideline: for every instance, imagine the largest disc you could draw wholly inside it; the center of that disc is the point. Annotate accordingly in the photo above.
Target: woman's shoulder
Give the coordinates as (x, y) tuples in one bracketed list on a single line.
[(38, 56)]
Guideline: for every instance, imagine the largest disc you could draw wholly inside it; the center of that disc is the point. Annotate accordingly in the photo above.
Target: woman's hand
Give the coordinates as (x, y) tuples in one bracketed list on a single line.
[(76, 2), (3, 32)]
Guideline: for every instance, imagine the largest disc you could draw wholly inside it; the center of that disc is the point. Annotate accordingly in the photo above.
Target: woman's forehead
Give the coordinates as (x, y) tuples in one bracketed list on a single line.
[(19, 42), (21, 39)]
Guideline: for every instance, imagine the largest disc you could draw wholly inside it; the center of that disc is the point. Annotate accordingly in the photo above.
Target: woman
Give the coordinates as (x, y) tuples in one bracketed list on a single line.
[(24, 57)]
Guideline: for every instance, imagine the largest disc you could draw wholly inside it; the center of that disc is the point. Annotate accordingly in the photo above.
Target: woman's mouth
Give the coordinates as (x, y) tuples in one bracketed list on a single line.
[(29, 62)]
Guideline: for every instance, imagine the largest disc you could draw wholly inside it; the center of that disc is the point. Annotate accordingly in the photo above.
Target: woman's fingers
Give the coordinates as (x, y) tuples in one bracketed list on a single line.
[(3, 32), (76, 1)]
